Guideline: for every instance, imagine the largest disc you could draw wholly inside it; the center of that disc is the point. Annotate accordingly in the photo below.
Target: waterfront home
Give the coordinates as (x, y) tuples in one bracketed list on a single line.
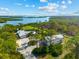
[(54, 39), (22, 34), (57, 38)]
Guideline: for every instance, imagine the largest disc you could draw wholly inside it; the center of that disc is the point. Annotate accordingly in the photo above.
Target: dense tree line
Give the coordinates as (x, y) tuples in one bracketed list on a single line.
[(54, 50), (8, 43)]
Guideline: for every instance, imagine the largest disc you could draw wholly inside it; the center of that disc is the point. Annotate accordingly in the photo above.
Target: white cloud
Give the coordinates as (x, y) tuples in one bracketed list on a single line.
[(33, 5), (75, 12), (5, 11), (29, 5), (43, 0), (52, 7), (60, 7), (26, 5), (63, 2), (63, 7), (70, 1)]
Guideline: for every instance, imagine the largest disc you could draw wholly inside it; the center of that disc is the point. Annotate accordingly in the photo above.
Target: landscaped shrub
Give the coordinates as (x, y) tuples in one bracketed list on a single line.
[(41, 51), (54, 50), (31, 43)]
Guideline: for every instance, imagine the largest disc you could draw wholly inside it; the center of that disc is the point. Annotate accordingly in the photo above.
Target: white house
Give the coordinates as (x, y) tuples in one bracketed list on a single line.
[(22, 33), (57, 38)]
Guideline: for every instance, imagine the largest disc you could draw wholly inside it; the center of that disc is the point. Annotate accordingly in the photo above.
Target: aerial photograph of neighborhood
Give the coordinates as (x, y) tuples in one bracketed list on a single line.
[(39, 29)]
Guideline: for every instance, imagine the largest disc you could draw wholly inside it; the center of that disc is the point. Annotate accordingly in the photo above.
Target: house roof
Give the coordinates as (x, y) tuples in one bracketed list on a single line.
[(59, 36), (22, 32)]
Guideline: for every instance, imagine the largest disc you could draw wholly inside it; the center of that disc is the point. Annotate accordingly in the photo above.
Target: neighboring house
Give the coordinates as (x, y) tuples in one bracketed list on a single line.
[(22, 33), (54, 39), (23, 40), (57, 38)]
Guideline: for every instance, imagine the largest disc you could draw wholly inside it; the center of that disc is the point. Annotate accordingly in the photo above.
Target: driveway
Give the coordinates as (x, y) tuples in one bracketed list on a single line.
[(26, 52)]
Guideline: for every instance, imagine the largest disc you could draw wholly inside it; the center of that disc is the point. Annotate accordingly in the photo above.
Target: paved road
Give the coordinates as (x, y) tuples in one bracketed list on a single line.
[(27, 52)]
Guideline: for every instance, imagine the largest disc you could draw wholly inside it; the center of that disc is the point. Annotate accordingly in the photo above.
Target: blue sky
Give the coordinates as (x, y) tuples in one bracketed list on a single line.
[(39, 7)]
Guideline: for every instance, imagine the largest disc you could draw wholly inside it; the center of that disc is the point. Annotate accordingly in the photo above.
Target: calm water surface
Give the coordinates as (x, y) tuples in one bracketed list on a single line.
[(25, 21)]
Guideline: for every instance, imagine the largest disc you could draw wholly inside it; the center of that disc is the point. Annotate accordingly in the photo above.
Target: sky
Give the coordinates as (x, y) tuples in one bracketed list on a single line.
[(39, 7)]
